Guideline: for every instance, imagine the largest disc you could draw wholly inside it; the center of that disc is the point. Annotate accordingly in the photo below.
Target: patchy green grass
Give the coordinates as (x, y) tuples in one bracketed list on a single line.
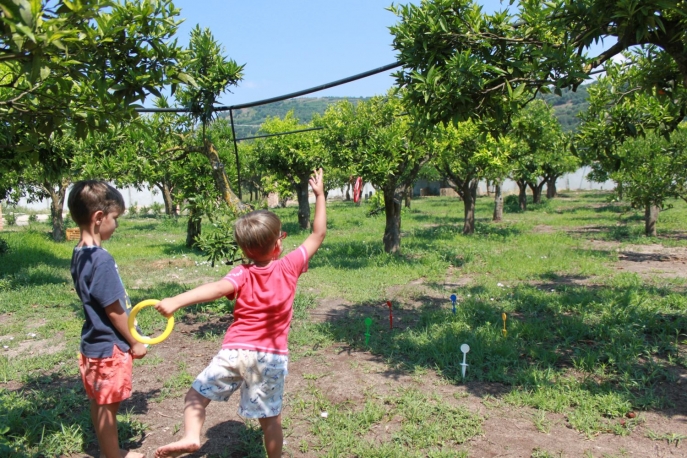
[(583, 339), (417, 425)]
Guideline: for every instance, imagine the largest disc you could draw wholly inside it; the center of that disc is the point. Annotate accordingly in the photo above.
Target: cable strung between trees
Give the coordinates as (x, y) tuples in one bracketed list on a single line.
[(281, 97)]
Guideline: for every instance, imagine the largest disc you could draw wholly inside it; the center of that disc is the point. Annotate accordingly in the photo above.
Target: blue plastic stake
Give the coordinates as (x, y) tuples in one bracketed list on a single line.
[(453, 299)]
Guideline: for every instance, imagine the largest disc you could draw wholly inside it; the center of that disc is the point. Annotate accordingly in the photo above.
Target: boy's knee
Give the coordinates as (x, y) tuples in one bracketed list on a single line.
[(270, 422), (193, 396)]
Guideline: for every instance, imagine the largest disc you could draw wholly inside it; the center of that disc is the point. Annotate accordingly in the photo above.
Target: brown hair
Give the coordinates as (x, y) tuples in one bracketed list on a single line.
[(90, 196), (257, 232)]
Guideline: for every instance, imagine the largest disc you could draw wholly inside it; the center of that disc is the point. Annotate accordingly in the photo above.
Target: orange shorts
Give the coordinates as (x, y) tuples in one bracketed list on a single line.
[(107, 380)]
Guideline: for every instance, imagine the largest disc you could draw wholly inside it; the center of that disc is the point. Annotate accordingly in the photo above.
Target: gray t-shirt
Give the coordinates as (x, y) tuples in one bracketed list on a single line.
[(98, 284)]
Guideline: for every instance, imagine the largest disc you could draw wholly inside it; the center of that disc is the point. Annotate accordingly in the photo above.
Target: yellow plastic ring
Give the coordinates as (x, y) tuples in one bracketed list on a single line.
[(144, 339)]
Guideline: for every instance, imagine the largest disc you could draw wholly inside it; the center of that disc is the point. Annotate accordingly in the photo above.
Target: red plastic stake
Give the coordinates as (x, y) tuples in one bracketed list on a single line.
[(391, 316)]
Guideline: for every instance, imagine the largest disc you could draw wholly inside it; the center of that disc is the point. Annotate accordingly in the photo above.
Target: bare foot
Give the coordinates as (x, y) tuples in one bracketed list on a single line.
[(132, 455), (177, 448), (126, 454)]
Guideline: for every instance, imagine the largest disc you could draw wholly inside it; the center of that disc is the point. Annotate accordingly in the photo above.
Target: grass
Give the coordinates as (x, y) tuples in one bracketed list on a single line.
[(584, 339), (417, 425), (671, 438)]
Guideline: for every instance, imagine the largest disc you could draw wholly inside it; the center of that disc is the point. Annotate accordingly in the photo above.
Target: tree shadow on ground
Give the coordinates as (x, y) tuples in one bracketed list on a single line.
[(672, 235), (25, 257), (145, 227), (356, 255), (632, 331), (483, 228), (233, 439)]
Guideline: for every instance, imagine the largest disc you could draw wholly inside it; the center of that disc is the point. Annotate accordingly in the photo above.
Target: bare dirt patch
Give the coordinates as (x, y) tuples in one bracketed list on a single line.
[(648, 260), (171, 263), (543, 229), (32, 346)]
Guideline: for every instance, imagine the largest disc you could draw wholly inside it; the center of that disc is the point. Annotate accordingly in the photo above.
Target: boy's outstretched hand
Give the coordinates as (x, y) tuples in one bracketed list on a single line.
[(166, 307), (317, 183)]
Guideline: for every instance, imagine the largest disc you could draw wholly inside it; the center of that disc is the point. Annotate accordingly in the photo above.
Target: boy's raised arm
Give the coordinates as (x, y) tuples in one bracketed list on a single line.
[(319, 226), (203, 293)]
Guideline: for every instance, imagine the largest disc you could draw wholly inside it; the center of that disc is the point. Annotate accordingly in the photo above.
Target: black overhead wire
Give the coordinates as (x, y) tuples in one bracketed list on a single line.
[(231, 109), (281, 97)]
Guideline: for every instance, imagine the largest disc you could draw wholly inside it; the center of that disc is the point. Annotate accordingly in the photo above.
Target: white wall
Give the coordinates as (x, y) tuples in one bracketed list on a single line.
[(576, 181), (571, 181), (131, 195)]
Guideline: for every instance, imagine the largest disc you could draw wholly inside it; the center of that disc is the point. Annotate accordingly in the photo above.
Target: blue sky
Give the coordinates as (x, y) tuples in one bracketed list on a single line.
[(288, 46)]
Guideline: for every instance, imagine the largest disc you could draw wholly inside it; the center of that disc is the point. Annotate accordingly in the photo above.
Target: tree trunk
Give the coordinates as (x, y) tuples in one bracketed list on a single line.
[(536, 192), (469, 198), (551, 187), (522, 194), (170, 208), (192, 229), (488, 191), (56, 208), (408, 194), (650, 219), (498, 202), (1, 223), (392, 210), (303, 204), (221, 179), (348, 193)]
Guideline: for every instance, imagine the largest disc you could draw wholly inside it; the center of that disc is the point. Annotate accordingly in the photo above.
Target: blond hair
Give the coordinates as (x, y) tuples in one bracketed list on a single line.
[(90, 196), (257, 232)]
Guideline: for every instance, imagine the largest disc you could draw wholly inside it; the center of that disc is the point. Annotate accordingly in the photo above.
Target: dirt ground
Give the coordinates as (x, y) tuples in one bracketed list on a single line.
[(344, 375), (508, 431)]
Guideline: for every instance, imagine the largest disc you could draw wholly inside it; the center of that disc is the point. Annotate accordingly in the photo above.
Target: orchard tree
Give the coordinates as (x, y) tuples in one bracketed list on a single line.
[(542, 154), (466, 155), (62, 164), (627, 106), (291, 158), (213, 74), (459, 63), (78, 64), (152, 152), (503, 147), (654, 170), (377, 140), (561, 161)]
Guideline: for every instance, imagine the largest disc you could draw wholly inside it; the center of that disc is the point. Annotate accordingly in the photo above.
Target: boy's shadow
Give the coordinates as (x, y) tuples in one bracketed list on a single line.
[(234, 439)]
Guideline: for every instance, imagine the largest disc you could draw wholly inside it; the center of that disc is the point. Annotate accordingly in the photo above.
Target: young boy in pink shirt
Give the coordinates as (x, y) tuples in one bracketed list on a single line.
[(254, 354)]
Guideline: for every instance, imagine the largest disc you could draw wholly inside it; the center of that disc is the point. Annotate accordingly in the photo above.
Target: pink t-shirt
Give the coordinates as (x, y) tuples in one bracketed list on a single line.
[(264, 300)]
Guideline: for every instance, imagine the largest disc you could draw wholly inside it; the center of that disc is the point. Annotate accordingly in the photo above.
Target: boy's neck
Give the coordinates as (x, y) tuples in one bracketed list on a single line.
[(262, 263), (89, 236)]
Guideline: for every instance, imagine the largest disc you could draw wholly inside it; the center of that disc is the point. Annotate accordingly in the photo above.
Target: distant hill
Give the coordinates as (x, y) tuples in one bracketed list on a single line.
[(247, 121), (568, 105)]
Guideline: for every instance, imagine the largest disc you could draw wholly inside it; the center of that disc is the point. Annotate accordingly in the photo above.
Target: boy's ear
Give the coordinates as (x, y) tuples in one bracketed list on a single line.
[(97, 217)]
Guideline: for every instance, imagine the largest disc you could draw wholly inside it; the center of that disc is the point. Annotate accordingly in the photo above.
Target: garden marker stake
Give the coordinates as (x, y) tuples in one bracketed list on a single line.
[(504, 331), (132, 324), (391, 316), (453, 300), (368, 323), (465, 348)]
